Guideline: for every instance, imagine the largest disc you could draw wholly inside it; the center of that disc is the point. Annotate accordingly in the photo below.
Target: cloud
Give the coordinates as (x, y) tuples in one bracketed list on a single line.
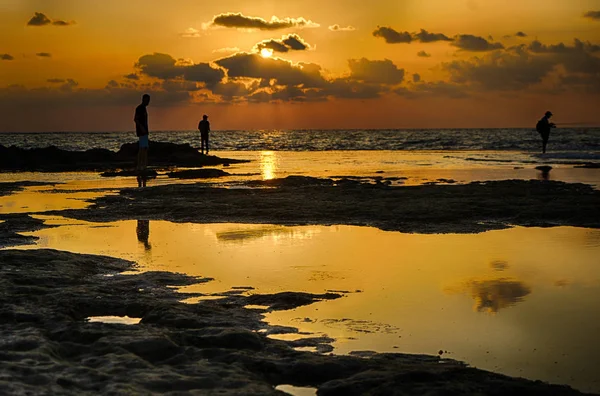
[(420, 89), (375, 71), (291, 42), (468, 42), (520, 34), (40, 19), (391, 36), (423, 54), (191, 33), (240, 21), (165, 67), (132, 76), (226, 50), (251, 65), (338, 28), (69, 95), (62, 23), (416, 77), (595, 15), (426, 37), (508, 70), (561, 48), (6, 57), (55, 80), (44, 55)]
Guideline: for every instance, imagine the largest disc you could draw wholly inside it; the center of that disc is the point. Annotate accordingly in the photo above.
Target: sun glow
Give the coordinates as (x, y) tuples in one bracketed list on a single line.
[(266, 52)]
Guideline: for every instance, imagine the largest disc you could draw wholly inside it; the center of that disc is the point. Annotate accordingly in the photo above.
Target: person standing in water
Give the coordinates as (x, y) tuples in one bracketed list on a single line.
[(141, 130), (544, 126), (204, 128)]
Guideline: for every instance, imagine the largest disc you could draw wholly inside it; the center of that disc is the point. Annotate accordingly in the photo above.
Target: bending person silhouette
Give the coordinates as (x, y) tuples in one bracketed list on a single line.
[(544, 126), (141, 130), (204, 128)]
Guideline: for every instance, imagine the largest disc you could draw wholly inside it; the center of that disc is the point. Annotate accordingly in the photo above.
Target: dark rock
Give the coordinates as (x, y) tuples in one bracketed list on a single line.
[(198, 174), (53, 159), (590, 165), (148, 173)]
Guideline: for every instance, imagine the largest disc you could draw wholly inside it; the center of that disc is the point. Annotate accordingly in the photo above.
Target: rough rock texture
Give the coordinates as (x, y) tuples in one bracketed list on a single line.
[(197, 174), (53, 159), (47, 347), (473, 207), (13, 224)]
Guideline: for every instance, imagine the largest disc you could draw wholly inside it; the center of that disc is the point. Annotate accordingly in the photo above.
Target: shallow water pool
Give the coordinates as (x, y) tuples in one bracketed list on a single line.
[(522, 301)]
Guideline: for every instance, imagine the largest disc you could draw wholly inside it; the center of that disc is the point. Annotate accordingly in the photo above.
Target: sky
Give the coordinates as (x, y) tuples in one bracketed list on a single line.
[(288, 64)]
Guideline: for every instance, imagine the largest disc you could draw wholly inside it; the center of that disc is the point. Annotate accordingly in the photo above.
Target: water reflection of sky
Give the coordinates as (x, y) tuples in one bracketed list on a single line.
[(518, 301)]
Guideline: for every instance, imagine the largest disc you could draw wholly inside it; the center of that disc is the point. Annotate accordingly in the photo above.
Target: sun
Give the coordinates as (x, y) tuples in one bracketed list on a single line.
[(266, 52)]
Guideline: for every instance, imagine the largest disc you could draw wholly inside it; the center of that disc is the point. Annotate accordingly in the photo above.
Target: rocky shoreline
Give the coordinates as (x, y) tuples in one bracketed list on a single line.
[(53, 159), (47, 345), (299, 200)]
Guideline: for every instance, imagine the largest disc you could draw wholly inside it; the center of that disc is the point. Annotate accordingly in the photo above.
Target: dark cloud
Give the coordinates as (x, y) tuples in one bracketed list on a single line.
[(391, 36), (375, 71), (423, 54), (245, 65), (577, 58), (595, 15), (240, 21), (508, 70), (468, 42), (165, 67), (69, 95), (6, 57), (132, 76), (426, 37), (55, 80), (229, 90), (40, 19), (291, 42), (538, 65), (59, 22), (432, 89), (520, 34), (416, 77), (561, 48), (44, 55), (338, 28), (352, 89)]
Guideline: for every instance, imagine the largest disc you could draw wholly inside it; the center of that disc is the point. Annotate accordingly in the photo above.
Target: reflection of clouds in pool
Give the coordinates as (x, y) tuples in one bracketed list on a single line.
[(240, 235), (492, 295), (499, 265)]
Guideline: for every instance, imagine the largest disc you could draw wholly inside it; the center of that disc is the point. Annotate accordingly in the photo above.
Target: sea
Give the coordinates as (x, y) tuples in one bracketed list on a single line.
[(582, 143)]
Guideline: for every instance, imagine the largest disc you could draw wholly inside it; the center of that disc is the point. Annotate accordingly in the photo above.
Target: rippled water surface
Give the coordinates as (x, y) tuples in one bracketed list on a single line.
[(569, 139)]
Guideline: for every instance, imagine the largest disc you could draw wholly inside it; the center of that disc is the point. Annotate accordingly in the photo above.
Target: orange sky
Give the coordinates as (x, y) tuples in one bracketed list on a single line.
[(83, 66)]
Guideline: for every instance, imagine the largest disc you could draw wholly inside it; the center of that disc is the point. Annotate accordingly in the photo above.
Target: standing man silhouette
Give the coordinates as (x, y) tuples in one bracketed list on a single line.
[(544, 126), (141, 130), (204, 128)]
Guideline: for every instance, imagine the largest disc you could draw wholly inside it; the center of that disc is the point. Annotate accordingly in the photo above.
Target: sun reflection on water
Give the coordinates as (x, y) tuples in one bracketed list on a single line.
[(268, 164)]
